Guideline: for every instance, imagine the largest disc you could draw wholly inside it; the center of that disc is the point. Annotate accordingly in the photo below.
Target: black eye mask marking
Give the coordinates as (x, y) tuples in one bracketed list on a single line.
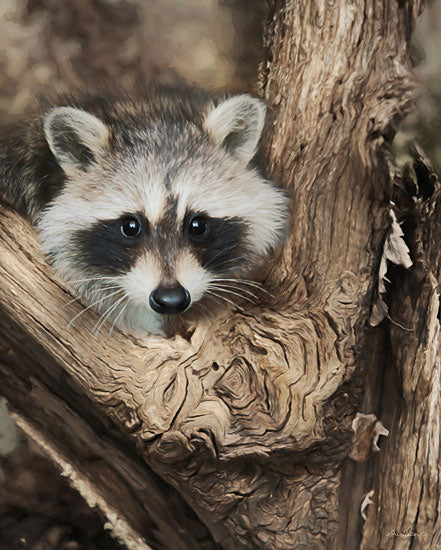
[(111, 247), (103, 248), (222, 246)]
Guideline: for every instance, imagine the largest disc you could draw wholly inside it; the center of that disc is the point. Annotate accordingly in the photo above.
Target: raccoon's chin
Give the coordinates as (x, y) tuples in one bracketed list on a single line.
[(141, 319)]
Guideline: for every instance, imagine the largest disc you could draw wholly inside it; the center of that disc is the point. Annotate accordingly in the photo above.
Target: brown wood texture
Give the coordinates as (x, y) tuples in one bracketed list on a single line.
[(405, 513), (52, 377), (248, 418)]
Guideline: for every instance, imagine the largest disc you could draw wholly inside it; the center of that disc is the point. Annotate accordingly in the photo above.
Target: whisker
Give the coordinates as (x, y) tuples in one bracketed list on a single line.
[(231, 260), (95, 290), (70, 301), (119, 314), (241, 280), (92, 279), (210, 296), (223, 298), (106, 314), (239, 288), (93, 304), (221, 289), (255, 284), (221, 252)]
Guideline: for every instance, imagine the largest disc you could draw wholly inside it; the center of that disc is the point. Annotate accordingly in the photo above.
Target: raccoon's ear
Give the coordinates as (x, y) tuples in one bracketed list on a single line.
[(237, 125), (75, 137)]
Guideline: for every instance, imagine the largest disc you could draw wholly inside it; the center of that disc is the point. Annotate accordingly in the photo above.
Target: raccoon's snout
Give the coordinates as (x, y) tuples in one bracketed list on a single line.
[(168, 300)]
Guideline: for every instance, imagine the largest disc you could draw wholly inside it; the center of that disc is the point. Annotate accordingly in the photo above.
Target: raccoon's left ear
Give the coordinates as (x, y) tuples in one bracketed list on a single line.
[(237, 125), (75, 137)]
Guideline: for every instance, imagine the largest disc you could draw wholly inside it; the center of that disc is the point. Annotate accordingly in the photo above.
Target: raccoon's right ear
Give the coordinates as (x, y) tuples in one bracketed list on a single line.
[(75, 137)]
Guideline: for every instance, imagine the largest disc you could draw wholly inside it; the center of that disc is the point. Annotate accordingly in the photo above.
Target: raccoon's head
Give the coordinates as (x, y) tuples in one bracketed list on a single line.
[(160, 207)]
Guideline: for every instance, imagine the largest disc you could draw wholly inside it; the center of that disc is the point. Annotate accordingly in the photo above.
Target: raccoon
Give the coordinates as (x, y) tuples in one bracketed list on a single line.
[(146, 205)]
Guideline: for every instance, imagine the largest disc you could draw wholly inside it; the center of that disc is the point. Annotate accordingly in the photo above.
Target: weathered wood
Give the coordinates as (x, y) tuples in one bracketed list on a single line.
[(249, 416), (37, 366), (405, 513)]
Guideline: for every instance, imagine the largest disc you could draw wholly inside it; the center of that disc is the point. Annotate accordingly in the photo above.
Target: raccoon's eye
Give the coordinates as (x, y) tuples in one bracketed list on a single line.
[(130, 227), (198, 228)]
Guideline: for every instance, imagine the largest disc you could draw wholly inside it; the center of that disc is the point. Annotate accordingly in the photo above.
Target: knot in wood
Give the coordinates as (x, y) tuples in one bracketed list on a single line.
[(239, 386), (171, 447)]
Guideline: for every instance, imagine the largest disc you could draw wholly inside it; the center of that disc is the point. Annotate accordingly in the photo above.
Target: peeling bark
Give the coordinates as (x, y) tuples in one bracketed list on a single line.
[(406, 508), (248, 418)]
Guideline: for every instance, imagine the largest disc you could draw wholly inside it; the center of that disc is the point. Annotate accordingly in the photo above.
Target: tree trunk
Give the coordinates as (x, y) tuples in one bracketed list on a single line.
[(238, 434)]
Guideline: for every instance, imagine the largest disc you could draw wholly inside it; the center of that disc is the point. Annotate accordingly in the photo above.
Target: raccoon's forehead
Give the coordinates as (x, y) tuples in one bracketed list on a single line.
[(108, 191), (143, 183)]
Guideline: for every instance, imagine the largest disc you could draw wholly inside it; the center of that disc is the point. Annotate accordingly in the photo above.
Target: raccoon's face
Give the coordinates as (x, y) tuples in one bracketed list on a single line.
[(160, 213)]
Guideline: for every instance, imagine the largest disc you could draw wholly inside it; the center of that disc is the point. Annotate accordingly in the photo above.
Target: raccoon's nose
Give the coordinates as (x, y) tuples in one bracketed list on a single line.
[(168, 300)]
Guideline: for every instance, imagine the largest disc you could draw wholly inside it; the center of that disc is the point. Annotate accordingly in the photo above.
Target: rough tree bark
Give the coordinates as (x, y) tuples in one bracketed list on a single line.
[(238, 434)]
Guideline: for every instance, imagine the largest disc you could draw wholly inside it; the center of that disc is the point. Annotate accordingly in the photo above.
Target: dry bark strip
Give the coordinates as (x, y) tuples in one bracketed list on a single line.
[(405, 513), (249, 416)]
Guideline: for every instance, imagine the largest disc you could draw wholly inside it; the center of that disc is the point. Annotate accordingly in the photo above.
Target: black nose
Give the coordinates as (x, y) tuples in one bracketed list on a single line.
[(168, 300)]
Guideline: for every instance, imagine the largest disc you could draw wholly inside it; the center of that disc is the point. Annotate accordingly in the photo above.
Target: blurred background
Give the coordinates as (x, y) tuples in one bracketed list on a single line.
[(62, 44), (49, 46)]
